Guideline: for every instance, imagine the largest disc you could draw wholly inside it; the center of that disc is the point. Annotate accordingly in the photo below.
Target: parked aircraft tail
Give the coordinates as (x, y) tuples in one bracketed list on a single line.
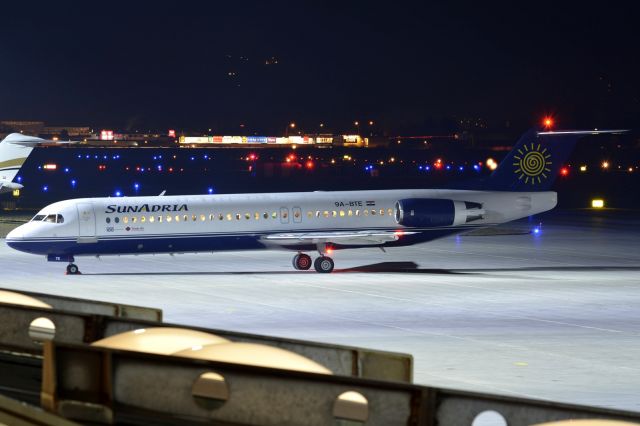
[(535, 161), (14, 151)]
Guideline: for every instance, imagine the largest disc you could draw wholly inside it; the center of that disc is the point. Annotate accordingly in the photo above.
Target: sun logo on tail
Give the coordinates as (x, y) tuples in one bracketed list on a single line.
[(532, 164)]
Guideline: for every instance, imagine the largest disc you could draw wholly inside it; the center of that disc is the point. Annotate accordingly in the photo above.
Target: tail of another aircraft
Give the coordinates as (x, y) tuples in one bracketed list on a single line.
[(14, 151), (535, 161)]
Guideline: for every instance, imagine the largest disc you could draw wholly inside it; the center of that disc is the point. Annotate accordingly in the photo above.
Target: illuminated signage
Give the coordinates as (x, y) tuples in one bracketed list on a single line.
[(323, 139), (106, 135), (172, 133)]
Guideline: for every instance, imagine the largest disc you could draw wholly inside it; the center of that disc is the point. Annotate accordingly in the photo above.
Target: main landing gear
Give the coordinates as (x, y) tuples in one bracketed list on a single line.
[(323, 264), (72, 269)]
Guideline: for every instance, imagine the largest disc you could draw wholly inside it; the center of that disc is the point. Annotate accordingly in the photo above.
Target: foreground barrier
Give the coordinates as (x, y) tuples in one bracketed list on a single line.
[(100, 385)]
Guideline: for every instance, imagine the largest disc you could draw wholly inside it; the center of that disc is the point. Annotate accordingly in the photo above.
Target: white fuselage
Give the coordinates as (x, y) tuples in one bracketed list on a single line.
[(298, 221)]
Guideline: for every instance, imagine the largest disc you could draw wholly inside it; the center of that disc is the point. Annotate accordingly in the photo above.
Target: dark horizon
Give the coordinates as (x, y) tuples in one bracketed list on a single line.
[(410, 68)]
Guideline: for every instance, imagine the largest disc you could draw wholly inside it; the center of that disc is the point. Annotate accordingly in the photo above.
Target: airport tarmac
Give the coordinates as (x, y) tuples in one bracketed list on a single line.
[(553, 315)]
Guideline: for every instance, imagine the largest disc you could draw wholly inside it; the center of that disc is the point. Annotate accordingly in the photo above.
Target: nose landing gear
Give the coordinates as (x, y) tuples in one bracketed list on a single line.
[(72, 269)]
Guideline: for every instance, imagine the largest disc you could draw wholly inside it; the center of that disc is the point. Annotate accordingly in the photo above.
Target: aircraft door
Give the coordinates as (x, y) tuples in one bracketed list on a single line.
[(86, 220), (297, 214), (284, 215)]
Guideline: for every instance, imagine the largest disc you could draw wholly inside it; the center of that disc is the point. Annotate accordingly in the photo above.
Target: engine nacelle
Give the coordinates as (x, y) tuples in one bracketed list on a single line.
[(434, 212)]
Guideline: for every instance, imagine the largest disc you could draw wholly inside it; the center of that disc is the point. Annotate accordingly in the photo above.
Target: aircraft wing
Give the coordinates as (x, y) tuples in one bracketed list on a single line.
[(336, 237)]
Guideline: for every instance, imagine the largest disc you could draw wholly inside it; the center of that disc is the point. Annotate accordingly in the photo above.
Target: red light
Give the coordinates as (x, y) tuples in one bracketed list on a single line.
[(564, 171), (437, 165), (172, 133), (548, 122), (252, 157), (309, 164)]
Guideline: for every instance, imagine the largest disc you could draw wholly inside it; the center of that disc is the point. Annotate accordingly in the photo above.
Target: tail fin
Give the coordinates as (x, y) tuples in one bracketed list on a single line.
[(14, 150), (534, 163)]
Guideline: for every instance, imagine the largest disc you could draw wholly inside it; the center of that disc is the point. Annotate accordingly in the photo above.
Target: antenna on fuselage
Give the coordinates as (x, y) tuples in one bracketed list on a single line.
[(162, 193)]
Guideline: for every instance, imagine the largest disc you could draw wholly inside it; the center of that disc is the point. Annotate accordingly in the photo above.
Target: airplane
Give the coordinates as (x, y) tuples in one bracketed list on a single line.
[(14, 151), (299, 221)]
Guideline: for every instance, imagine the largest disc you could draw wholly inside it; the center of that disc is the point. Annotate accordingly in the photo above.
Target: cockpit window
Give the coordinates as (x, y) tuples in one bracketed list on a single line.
[(51, 218), (38, 217)]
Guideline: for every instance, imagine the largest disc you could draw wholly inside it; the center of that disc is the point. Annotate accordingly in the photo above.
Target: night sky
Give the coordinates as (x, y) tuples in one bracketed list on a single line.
[(409, 67)]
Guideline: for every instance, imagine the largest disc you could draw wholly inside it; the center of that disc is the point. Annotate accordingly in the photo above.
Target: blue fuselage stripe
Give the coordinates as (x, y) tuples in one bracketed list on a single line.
[(193, 243)]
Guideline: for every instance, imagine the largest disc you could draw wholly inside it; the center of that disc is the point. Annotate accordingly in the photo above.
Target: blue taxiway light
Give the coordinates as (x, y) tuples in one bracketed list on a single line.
[(45, 188), (19, 178), (66, 170), (210, 190), (73, 182), (136, 186), (118, 193)]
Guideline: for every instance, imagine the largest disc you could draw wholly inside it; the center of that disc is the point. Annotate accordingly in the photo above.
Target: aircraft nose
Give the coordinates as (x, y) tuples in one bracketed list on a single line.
[(16, 234)]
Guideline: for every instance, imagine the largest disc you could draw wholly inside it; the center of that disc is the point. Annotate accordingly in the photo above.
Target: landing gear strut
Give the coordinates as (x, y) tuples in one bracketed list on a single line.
[(72, 269), (301, 262)]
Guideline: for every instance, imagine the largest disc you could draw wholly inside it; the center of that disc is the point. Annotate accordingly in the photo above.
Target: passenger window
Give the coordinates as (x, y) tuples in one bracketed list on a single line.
[(317, 213), (274, 215), (247, 216), (341, 213), (177, 218), (285, 215), (257, 216), (229, 217), (309, 215), (169, 218), (389, 212), (125, 219), (186, 218), (134, 219), (116, 220), (366, 212), (358, 212), (143, 219), (151, 218), (265, 215), (334, 213), (325, 213), (108, 220), (373, 212), (350, 213), (159, 219), (203, 218), (237, 216), (381, 212)]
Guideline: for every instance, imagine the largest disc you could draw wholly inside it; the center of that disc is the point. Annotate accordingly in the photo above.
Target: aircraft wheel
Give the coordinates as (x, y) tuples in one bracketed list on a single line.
[(302, 261), (72, 269), (323, 264)]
